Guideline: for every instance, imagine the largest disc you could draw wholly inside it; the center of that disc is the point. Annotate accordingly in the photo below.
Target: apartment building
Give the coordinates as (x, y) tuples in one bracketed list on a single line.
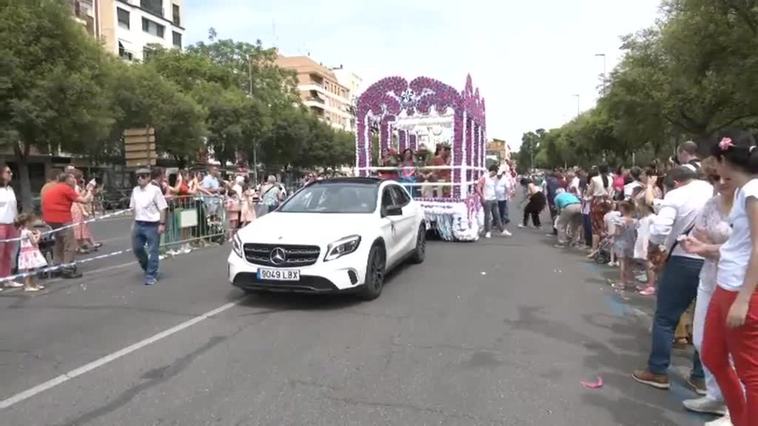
[(321, 91), (127, 28), (354, 86), (499, 149)]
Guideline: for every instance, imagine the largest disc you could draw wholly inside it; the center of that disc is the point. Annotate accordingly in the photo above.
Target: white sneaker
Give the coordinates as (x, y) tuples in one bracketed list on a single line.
[(705, 405), (506, 233), (521, 225), (13, 284), (723, 421), (488, 235)]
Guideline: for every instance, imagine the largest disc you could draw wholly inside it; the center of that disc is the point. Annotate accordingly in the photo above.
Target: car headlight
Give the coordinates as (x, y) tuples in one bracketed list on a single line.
[(237, 246), (342, 247)]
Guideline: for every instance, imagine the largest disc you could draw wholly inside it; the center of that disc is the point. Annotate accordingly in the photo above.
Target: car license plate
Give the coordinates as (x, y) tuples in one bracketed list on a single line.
[(279, 274)]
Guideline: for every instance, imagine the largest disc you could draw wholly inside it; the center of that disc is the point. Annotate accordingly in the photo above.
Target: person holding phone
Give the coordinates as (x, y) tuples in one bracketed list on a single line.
[(81, 213), (56, 211)]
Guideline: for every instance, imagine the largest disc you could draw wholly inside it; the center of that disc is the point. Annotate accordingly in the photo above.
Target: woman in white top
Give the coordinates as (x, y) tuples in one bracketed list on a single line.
[(600, 191), (8, 213), (712, 229), (731, 325)]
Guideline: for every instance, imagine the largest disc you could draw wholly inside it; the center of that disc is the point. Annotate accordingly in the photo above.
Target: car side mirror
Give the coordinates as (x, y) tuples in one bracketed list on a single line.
[(393, 211)]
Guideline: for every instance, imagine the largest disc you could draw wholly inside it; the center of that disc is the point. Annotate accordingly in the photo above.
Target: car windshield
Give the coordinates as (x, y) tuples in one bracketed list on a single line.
[(333, 198)]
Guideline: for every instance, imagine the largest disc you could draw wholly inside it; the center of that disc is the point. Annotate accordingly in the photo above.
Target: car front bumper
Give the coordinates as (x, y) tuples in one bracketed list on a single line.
[(343, 274)]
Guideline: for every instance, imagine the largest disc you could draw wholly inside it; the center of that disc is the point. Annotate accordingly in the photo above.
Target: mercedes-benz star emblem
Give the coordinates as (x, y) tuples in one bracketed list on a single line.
[(278, 256)]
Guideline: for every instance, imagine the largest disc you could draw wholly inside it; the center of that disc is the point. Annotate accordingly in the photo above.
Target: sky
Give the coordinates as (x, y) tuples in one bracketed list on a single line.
[(529, 58)]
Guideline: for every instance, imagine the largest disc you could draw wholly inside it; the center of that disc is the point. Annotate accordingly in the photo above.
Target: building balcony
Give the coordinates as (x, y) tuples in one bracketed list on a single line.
[(316, 79), (313, 96)]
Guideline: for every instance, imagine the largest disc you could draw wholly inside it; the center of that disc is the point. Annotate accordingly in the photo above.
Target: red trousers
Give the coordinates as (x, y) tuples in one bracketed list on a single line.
[(7, 250), (741, 343)]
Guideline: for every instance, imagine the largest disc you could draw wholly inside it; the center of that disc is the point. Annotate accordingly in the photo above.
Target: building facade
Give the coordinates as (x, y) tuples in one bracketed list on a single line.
[(321, 91), (499, 149), (354, 86), (127, 28)]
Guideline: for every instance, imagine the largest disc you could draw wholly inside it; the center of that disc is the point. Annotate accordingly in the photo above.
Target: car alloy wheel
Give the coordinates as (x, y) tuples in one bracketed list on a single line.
[(372, 287), (377, 271), (419, 253)]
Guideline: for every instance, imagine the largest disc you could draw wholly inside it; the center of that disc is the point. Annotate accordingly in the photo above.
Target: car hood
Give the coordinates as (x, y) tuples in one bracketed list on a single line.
[(305, 228)]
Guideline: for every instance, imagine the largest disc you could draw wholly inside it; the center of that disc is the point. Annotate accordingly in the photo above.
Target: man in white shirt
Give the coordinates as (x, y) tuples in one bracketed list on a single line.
[(486, 188), (635, 173), (686, 155), (503, 190), (149, 206), (677, 287)]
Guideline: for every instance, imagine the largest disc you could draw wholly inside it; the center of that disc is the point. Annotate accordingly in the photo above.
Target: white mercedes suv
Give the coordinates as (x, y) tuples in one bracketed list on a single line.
[(333, 235)]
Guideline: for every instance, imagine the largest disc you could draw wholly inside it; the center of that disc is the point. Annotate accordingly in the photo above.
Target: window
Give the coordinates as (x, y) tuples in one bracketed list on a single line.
[(401, 196), (177, 39), (153, 6), (387, 200), (123, 53), (153, 28), (147, 51), (332, 198), (123, 18), (175, 15)]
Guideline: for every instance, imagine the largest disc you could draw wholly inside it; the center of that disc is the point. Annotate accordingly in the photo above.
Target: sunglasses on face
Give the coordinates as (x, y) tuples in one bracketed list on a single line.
[(143, 176)]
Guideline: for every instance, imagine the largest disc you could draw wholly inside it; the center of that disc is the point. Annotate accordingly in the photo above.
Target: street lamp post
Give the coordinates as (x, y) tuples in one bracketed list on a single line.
[(605, 76), (578, 104), (250, 93)]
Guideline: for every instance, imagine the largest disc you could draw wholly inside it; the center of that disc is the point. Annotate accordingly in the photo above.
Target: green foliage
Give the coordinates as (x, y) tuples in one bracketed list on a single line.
[(60, 90), (691, 75)]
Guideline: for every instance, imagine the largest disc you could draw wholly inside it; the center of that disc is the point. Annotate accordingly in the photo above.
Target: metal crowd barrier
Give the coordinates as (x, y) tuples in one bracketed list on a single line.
[(195, 220)]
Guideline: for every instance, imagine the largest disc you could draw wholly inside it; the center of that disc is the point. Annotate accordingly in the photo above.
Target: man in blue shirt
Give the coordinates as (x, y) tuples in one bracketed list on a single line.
[(569, 208)]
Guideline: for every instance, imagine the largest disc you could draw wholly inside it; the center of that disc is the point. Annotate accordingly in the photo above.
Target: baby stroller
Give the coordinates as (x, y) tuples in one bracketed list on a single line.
[(604, 250)]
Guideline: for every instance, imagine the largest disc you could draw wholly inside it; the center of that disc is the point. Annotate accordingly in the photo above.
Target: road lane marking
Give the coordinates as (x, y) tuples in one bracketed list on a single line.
[(63, 378)]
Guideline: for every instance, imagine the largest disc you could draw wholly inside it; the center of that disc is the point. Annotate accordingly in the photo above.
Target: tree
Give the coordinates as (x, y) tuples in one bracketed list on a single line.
[(689, 76), (143, 98), (52, 77), (530, 146)]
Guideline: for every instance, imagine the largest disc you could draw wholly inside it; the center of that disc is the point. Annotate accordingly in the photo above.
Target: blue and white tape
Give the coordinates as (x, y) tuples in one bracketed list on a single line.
[(71, 225)]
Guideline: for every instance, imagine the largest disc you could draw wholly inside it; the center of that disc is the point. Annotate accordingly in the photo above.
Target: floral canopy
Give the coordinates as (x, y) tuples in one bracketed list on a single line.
[(402, 111)]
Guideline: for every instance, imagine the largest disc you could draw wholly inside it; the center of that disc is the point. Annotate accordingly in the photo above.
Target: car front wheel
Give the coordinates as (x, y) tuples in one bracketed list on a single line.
[(372, 286), (419, 253)]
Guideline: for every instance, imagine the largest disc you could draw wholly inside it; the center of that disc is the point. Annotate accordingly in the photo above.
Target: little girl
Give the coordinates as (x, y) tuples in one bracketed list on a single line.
[(623, 243), (611, 219), (29, 256), (646, 217), (232, 211)]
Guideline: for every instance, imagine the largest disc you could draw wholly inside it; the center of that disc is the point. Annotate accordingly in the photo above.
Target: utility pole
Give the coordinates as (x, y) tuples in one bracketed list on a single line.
[(578, 104)]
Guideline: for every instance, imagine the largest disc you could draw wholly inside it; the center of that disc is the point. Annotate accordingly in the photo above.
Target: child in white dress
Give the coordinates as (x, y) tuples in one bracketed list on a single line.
[(29, 256), (647, 215)]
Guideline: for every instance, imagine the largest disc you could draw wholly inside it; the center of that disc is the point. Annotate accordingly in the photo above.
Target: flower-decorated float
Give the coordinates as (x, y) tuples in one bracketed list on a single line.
[(430, 137)]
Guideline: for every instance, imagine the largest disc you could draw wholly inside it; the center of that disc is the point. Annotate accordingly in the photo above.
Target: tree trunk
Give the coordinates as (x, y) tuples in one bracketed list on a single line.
[(22, 160)]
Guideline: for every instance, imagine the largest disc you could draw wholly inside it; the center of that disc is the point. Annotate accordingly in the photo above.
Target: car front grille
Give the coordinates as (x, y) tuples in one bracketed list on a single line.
[(294, 255)]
